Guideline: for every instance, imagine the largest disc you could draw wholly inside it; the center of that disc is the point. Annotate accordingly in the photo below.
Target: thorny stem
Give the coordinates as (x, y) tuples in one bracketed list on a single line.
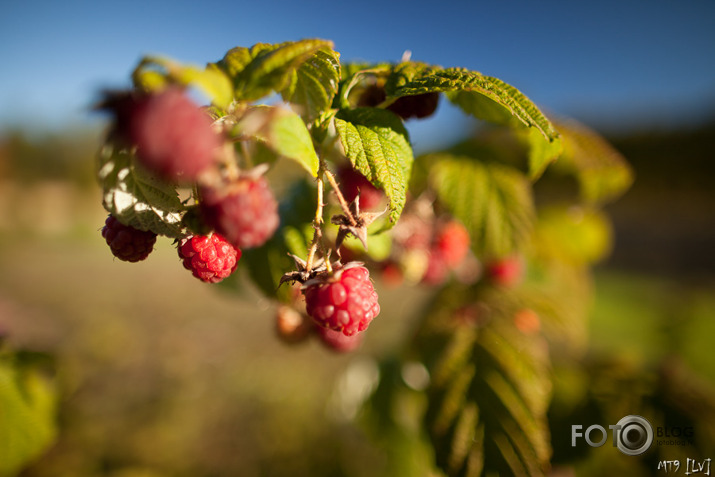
[(317, 222), (343, 203)]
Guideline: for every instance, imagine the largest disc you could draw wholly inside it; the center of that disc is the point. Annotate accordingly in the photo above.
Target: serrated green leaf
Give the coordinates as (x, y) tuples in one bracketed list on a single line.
[(266, 68), (284, 132), (377, 144), (135, 197), (27, 416), (488, 412), (314, 84), (155, 72), (468, 89), (492, 200), (602, 172)]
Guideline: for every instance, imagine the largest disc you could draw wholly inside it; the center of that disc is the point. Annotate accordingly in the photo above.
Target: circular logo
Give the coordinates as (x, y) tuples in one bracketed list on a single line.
[(634, 436)]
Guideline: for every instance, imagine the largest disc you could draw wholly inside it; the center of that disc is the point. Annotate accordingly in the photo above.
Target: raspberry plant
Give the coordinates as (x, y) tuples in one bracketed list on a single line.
[(507, 263)]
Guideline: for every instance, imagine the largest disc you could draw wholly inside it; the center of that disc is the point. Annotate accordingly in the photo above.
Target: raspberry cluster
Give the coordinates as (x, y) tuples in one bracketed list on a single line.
[(343, 300), (127, 243), (209, 257), (175, 140)]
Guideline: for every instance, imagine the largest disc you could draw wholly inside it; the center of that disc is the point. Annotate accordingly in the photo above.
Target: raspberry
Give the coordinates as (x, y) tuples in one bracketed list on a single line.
[(452, 243), (209, 257), (505, 272), (355, 183), (292, 326), (372, 96), (344, 300), (527, 321), (126, 242), (173, 137), (436, 271), (337, 341), (416, 106), (245, 212)]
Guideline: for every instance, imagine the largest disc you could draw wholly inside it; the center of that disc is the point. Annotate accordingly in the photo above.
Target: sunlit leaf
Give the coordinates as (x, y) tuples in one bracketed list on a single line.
[(377, 144), (135, 197), (492, 200), (155, 72)]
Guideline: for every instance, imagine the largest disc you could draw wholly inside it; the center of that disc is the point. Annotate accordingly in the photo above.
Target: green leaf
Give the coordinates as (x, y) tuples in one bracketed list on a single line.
[(541, 152), (575, 235), (489, 392), (265, 68), (284, 132), (135, 197), (153, 73), (377, 144), (314, 84), (492, 200), (482, 96), (27, 416), (602, 172)]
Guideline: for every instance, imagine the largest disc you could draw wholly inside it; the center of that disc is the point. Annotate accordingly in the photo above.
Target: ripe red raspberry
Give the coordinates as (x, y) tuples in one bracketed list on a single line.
[(452, 243), (416, 106), (173, 137), (126, 242), (337, 341), (506, 272), (344, 300), (245, 212), (209, 257), (354, 183)]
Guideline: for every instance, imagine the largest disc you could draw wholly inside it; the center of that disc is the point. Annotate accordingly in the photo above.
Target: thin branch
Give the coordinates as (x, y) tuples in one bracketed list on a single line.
[(343, 203)]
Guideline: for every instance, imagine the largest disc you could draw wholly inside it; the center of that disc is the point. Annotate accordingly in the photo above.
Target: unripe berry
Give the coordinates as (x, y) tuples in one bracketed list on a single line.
[(126, 242), (245, 212), (527, 321), (210, 258), (353, 183), (343, 300), (291, 325)]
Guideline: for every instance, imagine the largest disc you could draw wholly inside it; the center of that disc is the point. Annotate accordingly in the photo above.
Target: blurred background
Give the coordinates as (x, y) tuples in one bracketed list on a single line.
[(161, 375)]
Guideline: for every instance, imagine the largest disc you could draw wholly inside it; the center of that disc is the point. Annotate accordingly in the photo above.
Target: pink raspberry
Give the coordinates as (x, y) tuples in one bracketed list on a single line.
[(245, 212), (173, 137), (344, 300), (506, 272), (354, 183), (209, 257), (452, 243), (126, 242), (337, 341)]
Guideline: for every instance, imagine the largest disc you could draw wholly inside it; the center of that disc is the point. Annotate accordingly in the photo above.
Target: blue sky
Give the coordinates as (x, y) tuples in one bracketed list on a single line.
[(606, 62)]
